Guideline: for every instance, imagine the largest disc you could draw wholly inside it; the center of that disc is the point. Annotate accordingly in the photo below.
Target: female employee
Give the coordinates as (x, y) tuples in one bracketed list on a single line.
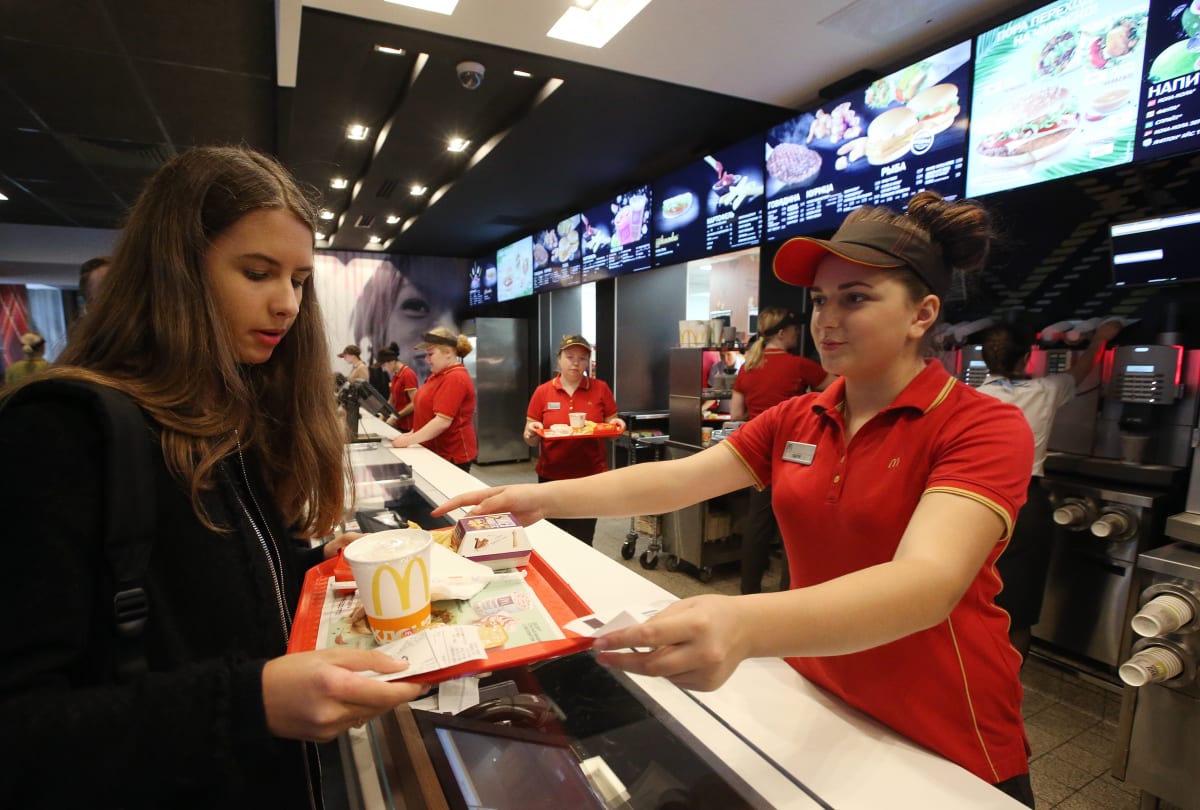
[(402, 389), (444, 409), (1024, 564), (552, 403), (770, 375), (896, 489), (214, 264)]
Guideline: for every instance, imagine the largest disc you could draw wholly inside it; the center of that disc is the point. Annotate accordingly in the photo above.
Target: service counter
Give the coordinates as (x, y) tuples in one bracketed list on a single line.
[(798, 746)]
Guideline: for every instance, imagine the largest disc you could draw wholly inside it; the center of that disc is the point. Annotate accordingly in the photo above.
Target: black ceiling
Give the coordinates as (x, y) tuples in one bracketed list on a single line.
[(96, 94)]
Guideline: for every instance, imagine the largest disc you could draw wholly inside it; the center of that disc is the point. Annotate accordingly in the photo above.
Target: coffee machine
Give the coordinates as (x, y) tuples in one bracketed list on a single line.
[(1149, 405)]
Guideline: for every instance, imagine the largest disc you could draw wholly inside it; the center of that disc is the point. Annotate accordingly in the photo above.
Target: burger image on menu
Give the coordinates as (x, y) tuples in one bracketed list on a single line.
[(1034, 128), (936, 108), (890, 135), (793, 164)]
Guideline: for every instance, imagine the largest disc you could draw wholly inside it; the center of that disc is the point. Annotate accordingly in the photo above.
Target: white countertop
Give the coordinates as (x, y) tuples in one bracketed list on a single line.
[(844, 757)]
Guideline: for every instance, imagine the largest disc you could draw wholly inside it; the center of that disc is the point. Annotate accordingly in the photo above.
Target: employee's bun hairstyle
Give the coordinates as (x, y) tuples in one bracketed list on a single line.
[(1005, 347), (441, 336)]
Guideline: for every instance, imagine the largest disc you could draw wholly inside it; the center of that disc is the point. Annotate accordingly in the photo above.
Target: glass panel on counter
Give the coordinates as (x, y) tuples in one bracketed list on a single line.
[(903, 133), (514, 269), (616, 236), (482, 288), (1052, 93), (1170, 98), (711, 206), (558, 256)]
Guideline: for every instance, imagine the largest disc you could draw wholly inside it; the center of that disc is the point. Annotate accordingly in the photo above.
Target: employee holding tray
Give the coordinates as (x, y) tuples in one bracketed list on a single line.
[(896, 490), (552, 403)]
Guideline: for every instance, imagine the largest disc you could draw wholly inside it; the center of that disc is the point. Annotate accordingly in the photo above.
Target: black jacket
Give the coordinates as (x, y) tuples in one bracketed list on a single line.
[(192, 731)]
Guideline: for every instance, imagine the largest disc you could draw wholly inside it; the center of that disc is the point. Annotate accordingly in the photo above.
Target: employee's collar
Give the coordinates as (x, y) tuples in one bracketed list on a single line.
[(585, 383), (923, 393)]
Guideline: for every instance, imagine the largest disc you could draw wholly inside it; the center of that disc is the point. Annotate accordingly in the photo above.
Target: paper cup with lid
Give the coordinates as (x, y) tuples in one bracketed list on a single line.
[(391, 571)]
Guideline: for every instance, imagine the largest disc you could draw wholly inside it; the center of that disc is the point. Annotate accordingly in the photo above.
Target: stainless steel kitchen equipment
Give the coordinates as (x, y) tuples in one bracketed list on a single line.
[(499, 365)]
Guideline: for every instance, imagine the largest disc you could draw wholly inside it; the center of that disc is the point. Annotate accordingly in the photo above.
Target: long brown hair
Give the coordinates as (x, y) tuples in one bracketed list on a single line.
[(156, 332)]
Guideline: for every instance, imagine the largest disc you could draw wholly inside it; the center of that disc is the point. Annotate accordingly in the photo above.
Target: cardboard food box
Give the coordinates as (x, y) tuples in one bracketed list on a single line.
[(497, 541)]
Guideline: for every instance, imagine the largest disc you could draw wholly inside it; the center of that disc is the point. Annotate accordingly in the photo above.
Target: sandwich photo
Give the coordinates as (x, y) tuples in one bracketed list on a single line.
[(890, 135), (1035, 127), (936, 108)]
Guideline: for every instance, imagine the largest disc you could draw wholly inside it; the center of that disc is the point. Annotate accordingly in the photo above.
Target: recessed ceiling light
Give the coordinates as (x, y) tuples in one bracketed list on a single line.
[(375, 240), (417, 191), (458, 144), (320, 237), (392, 219), (326, 214), (356, 132), (596, 26), (3, 198), (389, 50), (438, 6), (339, 182), (523, 74)]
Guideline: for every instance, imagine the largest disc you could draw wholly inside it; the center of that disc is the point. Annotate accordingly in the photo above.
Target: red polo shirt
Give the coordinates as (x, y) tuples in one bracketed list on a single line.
[(781, 375), (403, 381), (449, 393), (954, 687), (550, 405)]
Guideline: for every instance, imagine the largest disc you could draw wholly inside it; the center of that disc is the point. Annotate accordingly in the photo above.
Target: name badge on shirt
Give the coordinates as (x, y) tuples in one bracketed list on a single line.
[(554, 406), (799, 452)]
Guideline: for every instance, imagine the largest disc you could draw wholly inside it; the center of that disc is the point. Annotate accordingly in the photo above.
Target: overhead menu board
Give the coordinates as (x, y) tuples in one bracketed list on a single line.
[(904, 133), (557, 256), (514, 270), (711, 206), (616, 236), (482, 287), (1055, 93), (1169, 109)]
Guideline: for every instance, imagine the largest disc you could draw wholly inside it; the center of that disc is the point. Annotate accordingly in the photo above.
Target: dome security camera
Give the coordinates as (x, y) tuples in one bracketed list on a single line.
[(470, 74)]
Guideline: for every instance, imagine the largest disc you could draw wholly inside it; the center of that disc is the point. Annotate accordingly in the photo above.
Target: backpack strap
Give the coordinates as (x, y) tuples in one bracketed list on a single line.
[(129, 517)]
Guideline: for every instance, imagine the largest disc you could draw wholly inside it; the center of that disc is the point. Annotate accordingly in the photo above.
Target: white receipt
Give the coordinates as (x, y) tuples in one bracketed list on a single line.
[(432, 649), (597, 625)]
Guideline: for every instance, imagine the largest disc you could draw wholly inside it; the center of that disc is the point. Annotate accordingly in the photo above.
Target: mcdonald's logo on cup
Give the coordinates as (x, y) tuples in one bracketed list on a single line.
[(391, 570)]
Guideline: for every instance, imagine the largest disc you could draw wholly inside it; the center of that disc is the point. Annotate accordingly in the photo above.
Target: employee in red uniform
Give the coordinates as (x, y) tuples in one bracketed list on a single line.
[(770, 375), (571, 390), (896, 489), (444, 409), (402, 388)]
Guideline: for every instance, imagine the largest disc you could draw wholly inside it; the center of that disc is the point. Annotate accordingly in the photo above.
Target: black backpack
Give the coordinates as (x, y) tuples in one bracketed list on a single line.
[(129, 487)]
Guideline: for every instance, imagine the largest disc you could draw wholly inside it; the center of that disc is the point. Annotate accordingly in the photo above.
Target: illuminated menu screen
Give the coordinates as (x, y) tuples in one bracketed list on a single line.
[(558, 256), (482, 288), (1169, 109), (616, 236), (902, 134), (1056, 93), (514, 270), (712, 206)]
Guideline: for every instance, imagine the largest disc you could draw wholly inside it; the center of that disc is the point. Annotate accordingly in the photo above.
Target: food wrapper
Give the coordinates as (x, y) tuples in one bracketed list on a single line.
[(497, 541)]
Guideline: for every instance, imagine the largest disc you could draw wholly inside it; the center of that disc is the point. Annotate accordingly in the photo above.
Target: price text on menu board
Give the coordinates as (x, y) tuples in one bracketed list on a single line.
[(711, 206), (1056, 93), (904, 133), (1170, 102)]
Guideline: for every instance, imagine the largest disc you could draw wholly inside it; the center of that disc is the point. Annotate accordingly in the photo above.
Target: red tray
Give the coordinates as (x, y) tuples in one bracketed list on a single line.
[(598, 432), (562, 603)]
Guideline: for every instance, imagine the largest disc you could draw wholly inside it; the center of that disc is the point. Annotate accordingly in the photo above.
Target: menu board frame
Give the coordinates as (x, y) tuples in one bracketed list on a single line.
[(514, 269), (610, 245), (1169, 105), (558, 256), (481, 289)]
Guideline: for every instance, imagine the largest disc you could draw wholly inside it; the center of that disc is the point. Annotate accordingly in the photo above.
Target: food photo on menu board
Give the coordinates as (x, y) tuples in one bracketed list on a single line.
[(713, 205), (482, 287), (514, 270), (1056, 93), (1170, 100), (557, 255), (903, 133)]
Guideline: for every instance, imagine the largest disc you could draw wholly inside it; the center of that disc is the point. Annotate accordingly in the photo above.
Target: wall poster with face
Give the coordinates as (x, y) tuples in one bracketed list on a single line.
[(372, 300)]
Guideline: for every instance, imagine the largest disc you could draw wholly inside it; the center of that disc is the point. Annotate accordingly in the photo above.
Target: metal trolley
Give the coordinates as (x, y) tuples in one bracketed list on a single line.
[(641, 447)]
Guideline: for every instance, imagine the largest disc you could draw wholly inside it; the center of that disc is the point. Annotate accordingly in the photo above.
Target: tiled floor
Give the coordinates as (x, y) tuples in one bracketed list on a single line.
[(1071, 720)]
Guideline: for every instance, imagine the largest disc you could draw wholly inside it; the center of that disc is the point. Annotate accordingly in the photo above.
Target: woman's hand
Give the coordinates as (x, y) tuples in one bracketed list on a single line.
[(696, 643), (619, 422), (403, 440), (531, 437), (318, 695), (340, 542), (527, 502)]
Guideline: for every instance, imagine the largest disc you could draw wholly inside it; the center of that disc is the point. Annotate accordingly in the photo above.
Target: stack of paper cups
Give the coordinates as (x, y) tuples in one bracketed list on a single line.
[(1151, 665), (1163, 614)]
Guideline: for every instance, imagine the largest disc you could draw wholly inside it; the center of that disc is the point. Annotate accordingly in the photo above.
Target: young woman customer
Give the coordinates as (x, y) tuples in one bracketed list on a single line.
[(444, 408), (770, 375), (571, 391), (213, 266), (896, 489)]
